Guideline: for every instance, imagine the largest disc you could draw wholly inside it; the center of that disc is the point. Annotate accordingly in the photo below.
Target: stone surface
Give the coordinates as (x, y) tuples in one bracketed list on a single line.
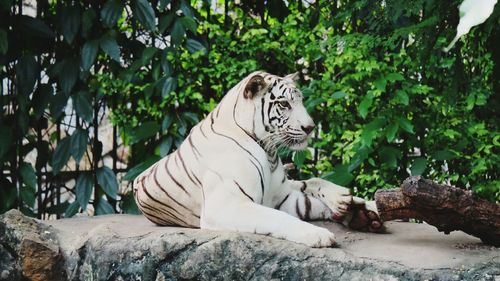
[(123, 247)]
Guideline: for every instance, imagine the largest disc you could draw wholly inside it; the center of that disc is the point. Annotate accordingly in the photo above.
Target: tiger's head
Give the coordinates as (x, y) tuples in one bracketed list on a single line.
[(280, 115)]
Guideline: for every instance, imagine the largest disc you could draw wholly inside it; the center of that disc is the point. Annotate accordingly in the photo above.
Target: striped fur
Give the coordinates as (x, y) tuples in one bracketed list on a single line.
[(227, 174)]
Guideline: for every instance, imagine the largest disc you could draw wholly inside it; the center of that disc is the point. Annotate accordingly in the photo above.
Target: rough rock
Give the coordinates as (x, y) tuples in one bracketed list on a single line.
[(125, 247)]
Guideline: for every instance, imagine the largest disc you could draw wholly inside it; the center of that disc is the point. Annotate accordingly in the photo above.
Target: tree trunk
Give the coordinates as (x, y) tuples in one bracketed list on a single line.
[(445, 207)]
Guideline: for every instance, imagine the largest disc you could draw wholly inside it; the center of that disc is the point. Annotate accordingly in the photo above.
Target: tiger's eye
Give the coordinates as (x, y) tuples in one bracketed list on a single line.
[(284, 104)]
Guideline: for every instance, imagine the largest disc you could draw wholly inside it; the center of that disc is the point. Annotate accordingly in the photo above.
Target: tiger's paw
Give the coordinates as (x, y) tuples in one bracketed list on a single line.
[(338, 199), (314, 236), (363, 216)]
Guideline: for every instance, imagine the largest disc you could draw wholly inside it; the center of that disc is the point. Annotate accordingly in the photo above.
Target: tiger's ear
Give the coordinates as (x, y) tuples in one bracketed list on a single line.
[(254, 85), (293, 77)]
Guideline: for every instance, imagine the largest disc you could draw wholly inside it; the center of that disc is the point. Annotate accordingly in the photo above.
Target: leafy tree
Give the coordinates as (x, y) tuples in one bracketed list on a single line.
[(389, 102)]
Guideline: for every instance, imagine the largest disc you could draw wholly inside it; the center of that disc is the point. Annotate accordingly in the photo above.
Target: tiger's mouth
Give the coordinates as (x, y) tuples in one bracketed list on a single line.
[(296, 142)]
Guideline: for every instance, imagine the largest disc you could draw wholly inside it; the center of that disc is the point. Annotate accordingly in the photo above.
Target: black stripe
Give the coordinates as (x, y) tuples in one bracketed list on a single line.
[(262, 112), (166, 193), (184, 166), (283, 201), (270, 105), (195, 150), (218, 110), (163, 212), (155, 200), (239, 186), (201, 130), (303, 187), (251, 135), (297, 209), (249, 153), (172, 177), (307, 203)]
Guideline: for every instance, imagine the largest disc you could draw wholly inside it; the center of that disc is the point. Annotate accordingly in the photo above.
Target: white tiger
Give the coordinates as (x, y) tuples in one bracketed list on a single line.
[(227, 174)]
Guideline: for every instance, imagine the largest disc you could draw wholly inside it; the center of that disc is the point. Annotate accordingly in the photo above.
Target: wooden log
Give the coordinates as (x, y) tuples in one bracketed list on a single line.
[(445, 207)]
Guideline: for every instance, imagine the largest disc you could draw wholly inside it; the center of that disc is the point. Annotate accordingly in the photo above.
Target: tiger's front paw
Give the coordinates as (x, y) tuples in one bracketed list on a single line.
[(313, 236), (337, 198)]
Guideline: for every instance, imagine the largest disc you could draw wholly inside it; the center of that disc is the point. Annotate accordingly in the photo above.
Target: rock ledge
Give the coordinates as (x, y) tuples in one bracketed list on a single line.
[(125, 247)]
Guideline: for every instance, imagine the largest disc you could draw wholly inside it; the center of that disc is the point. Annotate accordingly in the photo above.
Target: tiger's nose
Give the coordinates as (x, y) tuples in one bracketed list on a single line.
[(308, 129)]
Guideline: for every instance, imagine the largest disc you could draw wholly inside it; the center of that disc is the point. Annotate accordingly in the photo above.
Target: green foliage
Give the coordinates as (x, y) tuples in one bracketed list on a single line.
[(388, 102)]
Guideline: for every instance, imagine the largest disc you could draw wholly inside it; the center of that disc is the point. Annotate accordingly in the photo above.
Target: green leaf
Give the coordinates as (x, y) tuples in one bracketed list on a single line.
[(370, 131), (143, 131), (169, 85), (89, 54), (148, 54), (340, 175), (380, 84), (358, 159), (167, 121), (27, 71), (139, 168), (69, 74), (57, 104), (405, 125), (4, 42), (310, 104), (390, 132), (182, 127), (191, 117), (88, 18), (61, 155), (41, 99), (70, 22), (418, 166), (165, 146), (402, 97), (389, 156), (189, 24), (28, 174), (107, 180), (82, 102), (36, 27), (299, 157), (186, 9), (338, 95), (110, 47), (177, 33), (128, 204), (394, 77), (194, 46), (165, 21), (112, 11), (84, 187), (145, 13), (79, 142), (365, 105), (164, 4), (6, 139), (442, 155), (103, 207), (27, 194), (72, 210)]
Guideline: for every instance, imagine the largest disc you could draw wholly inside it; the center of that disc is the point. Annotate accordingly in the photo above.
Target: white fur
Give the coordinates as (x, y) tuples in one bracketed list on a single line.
[(200, 184)]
